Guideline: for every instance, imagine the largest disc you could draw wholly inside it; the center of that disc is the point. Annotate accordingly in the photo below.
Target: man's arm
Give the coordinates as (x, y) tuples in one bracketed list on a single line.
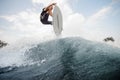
[(50, 13), (50, 5)]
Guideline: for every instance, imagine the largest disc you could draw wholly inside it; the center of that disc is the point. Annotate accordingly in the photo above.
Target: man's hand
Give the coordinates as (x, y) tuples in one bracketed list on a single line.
[(53, 3)]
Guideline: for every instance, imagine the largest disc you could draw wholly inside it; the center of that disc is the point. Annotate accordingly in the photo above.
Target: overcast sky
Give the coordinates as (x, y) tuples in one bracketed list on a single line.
[(90, 19)]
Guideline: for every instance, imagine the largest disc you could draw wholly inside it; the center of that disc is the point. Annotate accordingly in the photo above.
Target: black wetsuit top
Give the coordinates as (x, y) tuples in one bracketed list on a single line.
[(44, 17)]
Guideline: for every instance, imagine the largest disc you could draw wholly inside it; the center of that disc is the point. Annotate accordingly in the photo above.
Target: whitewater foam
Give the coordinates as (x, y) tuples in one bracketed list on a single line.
[(67, 59)]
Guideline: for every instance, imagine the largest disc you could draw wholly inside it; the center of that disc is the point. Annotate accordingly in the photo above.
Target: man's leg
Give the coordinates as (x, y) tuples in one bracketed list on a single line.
[(48, 22)]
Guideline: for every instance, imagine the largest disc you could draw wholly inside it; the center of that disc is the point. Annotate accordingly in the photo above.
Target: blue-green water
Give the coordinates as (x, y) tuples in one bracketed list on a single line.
[(67, 59)]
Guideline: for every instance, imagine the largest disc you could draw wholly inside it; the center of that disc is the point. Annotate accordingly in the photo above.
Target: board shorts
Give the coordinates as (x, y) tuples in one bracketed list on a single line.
[(44, 19)]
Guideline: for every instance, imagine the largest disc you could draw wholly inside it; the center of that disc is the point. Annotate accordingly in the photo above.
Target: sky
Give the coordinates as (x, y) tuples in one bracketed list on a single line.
[(89, 19)]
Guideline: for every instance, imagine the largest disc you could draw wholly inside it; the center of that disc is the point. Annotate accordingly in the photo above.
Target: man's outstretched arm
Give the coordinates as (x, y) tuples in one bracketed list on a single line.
[(50, 6)]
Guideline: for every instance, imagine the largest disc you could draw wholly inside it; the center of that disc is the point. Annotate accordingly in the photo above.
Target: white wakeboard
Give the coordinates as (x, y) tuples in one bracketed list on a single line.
[(57, 21)]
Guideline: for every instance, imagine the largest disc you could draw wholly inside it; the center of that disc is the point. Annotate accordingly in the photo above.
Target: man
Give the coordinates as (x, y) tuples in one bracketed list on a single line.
[(45, 14)]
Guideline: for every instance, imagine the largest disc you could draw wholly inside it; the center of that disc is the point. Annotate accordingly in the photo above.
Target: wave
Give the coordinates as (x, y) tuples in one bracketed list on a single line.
[(67, 59)]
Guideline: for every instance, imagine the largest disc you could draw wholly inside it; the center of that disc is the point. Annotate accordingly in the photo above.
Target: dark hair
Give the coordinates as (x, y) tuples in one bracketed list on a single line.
[(45, 9)]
